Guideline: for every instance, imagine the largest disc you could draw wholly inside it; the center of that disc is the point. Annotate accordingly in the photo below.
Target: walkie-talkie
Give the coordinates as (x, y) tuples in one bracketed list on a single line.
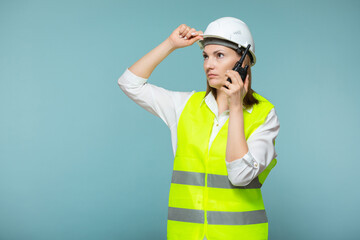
[(242, 71)]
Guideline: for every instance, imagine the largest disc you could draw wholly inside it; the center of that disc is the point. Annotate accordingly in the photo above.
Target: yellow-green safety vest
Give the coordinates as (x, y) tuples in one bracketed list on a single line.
[(203, 204)]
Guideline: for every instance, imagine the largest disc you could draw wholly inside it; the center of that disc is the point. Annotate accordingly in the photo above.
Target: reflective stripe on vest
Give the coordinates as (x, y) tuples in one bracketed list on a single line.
[(217, 217), (213, 180)]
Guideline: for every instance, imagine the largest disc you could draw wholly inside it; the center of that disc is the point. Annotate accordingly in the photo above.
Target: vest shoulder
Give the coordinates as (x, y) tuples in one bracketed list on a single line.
[(197, 96), (262, 100)]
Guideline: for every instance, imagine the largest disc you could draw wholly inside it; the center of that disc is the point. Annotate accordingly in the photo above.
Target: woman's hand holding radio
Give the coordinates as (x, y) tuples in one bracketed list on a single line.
[(236, 90)]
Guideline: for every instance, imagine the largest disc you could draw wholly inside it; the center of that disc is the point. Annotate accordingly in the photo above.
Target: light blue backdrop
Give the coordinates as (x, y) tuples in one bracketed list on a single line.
[(79, 160)]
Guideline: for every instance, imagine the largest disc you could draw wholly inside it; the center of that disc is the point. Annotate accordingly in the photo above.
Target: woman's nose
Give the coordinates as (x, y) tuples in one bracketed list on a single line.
[(209, 64)]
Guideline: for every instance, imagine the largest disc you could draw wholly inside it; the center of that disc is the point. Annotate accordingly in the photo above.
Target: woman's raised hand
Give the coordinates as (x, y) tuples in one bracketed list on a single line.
[(184, 36)]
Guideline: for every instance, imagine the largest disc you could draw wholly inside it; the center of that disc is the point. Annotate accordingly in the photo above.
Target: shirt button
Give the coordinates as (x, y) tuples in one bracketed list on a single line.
[(217, 124), (256, 164)]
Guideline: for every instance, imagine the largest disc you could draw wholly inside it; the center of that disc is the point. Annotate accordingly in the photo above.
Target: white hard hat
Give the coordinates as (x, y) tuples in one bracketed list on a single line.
[(231, 29)]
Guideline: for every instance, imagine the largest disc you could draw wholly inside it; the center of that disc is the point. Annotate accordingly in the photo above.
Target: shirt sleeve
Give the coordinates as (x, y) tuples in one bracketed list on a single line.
[(261, 144), (162, 103)]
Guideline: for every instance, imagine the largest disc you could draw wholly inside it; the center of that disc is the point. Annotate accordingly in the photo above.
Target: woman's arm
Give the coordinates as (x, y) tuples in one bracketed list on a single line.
[(182, 36), (236, 146), (146, 65), (261, 145), (161, 102), (247, 159)]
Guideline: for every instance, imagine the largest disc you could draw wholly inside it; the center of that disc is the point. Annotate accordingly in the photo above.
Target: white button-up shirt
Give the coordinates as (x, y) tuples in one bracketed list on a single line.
[(168, 106)]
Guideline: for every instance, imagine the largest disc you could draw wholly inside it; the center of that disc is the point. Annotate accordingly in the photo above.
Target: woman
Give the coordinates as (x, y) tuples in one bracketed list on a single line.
[(223, 139)]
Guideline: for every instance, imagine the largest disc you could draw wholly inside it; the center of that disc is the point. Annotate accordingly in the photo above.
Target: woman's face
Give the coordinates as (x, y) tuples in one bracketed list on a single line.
[(218, 59)]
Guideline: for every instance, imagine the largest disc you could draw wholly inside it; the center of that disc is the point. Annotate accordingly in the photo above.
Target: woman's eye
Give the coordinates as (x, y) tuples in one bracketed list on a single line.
[(219, 55)]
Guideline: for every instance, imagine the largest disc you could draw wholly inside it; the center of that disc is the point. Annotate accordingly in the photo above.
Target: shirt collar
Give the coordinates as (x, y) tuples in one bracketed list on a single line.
[(212, 104)]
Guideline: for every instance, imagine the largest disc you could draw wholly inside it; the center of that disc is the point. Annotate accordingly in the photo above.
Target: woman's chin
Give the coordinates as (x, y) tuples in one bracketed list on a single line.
[(215, 83)]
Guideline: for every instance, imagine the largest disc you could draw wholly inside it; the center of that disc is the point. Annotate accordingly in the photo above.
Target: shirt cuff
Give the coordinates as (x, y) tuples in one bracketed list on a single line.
[(248, 159)]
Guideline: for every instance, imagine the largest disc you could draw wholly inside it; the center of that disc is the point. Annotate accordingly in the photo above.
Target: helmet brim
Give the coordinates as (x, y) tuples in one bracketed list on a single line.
[(201, 45)]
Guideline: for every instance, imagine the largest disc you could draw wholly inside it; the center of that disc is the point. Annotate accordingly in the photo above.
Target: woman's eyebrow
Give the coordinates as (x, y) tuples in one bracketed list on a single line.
[(213, 52)]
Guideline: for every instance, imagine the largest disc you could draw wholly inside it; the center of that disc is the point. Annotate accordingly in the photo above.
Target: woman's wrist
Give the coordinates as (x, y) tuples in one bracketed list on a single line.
[(238, 107), (169, 44)]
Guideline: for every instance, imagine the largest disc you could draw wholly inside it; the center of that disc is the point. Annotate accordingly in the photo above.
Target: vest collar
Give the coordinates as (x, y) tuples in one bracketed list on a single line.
[(212, 104)]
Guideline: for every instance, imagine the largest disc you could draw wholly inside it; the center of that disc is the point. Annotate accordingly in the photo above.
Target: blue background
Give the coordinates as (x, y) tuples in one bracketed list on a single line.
[(79, 160)]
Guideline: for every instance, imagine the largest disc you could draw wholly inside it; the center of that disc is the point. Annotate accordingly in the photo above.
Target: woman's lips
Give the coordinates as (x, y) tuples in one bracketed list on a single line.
[(212, 75)]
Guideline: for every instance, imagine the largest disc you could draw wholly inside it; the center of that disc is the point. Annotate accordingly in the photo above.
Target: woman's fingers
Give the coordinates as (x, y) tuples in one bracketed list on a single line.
[(234, 76), (190, 33), (228, 85), (184, 36), (181, 30), (194, 39), (226, 91), (237, 86), (184, 30)]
